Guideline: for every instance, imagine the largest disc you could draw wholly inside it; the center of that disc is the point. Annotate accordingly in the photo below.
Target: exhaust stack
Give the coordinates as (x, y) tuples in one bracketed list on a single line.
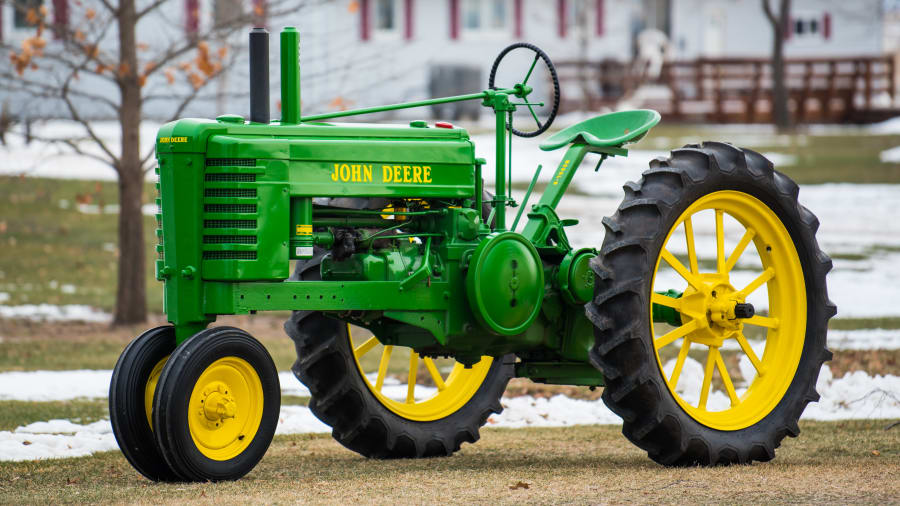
[(290, 76), (259, 75)]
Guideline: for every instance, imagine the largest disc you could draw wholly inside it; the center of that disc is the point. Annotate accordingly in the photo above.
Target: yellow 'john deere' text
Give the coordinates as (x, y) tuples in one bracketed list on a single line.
[(362, 173), (172, 140), (406, 173), (356, 173)]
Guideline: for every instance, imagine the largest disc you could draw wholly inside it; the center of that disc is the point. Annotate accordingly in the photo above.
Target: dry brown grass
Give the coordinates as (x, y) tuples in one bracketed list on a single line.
[(830, 463)]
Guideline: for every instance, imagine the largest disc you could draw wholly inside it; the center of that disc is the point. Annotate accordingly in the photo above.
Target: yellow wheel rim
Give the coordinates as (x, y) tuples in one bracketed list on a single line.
[(150, 389), (711, 290), (225, 408), (444, 393)]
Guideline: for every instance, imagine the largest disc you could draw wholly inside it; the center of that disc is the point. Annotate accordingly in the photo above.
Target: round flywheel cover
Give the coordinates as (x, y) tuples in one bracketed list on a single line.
[(505, 283)]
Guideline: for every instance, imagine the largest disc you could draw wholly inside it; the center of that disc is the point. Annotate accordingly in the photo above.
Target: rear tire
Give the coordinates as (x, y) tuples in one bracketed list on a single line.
[(342, 398), (655, 417)]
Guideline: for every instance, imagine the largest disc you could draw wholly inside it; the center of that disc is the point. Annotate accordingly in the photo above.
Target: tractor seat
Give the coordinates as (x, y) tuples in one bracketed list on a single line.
[(607, 130)]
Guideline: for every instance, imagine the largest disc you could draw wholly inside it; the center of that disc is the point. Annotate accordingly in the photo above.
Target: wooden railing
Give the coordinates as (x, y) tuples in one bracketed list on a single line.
[(739, 89)]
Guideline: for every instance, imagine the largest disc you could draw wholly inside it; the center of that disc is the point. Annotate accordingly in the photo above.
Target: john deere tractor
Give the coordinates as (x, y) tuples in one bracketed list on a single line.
[(416, 297)]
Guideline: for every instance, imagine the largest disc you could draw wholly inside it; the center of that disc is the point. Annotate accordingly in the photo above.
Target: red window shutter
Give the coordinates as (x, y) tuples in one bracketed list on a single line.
[(517, 17), (826, 25), (408, 18), (364, 19), (600, 18), (454, 19), (60, 17), (561, 14), (192, 16)]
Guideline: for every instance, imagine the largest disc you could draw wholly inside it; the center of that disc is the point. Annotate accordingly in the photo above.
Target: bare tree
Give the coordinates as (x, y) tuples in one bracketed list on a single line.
[(779, 21), (96, 62)]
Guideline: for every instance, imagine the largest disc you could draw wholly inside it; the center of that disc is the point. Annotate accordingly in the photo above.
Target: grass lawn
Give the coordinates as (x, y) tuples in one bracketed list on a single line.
[(837, 462)]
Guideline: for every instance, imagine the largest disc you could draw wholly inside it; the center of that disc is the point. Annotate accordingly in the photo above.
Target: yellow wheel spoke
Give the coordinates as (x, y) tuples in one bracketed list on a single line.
[(365, 347), (679, 363), (739, 249), (681, 269), (672, 336), (382, 366), (435, 374), (411, 379), (756, 283), (692, 250), (665, 300), (760, 369), (729, 386), (762, 321), (720, 242), (707, 376)]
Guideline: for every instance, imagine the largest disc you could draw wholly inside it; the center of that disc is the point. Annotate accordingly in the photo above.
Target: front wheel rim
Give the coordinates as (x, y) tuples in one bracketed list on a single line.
[(225, 408), (704, 305), (452, 392)]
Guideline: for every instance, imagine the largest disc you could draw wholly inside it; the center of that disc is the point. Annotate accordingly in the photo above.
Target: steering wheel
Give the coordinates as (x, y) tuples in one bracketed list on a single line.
[(523, 90)]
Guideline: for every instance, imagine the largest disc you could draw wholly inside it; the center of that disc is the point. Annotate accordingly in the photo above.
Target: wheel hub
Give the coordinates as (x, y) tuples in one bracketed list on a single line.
[(713, 307), (217, 403)]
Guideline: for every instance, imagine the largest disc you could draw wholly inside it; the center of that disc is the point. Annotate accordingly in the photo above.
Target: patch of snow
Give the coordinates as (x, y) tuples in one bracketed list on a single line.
[(56, 439), (46, 159), (299, 420), (886, 127), (54, 385), (146, 209), (856, 395), (557, 411), (864, 339), (890, 155), (50, 312), (4, 297), (67, 289)]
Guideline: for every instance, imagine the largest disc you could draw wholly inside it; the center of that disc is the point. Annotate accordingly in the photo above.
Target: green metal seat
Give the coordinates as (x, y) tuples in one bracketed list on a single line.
[(605, 131)]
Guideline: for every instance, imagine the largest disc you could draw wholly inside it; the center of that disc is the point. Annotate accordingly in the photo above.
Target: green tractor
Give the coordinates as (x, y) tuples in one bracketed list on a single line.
[(415, 299)]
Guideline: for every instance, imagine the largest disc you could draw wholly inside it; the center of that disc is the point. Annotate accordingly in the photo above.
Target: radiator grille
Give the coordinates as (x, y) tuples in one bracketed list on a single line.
[(229, 223), (229, 239), (230, 192), (224, 246), (229, 255), (230, 208), (231, 162), (231, 178)]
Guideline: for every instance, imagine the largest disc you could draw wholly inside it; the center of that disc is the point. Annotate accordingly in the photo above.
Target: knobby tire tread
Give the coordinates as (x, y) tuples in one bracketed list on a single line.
[(623, 349)]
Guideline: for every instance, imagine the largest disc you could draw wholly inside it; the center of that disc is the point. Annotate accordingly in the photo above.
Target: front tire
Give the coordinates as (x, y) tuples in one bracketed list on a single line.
[(708, 427), (216, 405), (131, 391)]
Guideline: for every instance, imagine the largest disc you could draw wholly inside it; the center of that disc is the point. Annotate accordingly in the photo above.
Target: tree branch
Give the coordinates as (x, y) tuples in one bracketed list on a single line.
[(64, 92), (767, 9)]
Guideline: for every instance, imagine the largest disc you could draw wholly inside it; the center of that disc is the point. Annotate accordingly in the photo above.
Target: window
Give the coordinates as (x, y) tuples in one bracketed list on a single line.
[(810, 27), (21, 9), (576, 16), (804, 27), (385, 15), (490, 15), (225, 12)]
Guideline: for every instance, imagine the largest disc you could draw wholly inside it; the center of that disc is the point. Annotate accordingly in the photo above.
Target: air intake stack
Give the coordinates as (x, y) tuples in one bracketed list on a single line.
[(259, 75), (290, 76)]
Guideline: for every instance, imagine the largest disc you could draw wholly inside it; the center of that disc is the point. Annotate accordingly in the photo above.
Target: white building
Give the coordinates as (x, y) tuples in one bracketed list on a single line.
[(357, 53), (739, 28)]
